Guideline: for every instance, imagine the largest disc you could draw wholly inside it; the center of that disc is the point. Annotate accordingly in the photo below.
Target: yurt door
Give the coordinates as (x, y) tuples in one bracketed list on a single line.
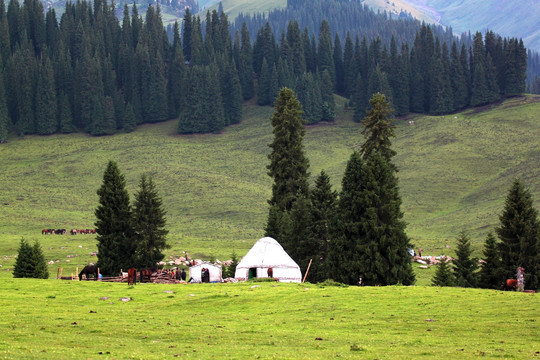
[(252, 273)]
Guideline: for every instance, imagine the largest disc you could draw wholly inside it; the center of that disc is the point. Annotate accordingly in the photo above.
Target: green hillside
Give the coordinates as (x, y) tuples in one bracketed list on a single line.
[(234, 7), (454, 173)]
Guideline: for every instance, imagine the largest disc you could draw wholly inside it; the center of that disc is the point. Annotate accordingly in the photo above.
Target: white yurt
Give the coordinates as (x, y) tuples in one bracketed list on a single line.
[(215, 272), (268, 254)]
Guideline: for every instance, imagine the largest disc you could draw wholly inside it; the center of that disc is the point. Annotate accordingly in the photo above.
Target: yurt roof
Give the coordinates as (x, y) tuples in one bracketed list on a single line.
[(267, 253)]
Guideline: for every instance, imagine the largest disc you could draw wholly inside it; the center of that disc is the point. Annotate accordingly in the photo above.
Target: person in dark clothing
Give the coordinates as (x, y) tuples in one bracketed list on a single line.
[(183, 275)]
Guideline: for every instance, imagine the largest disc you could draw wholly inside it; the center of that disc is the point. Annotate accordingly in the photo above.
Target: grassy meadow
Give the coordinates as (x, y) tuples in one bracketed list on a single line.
[(454, 173), (52, 319), (234, 7)]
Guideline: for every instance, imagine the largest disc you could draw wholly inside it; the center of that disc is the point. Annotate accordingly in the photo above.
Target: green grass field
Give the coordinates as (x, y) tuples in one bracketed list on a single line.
[(454, 173), (234, 7), (52, 319)]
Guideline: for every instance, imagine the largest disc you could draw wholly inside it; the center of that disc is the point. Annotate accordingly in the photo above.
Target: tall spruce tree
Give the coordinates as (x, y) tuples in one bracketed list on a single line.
[(489, 275), (378, 128), (323, 214), (519, 232), (464, 265), (149, 223), (344, 256), (116, 248), (45, 100), (384, 257), (245, 64), (288, 164)]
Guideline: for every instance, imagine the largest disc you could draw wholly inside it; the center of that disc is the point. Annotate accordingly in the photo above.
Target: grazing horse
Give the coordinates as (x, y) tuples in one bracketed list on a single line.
[(132, 276), (147, 274), (88, 270), (510, 284)]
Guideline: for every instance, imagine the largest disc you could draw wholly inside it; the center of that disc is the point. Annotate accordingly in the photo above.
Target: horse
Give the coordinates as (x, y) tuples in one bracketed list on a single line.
[(510, 284), (88, 270), (132, 276), (147, 273)]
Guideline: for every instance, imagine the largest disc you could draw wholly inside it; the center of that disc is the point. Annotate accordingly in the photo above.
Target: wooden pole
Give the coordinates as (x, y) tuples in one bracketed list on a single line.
[(61, 273), (58, 273), (305, 275), (77, 273)]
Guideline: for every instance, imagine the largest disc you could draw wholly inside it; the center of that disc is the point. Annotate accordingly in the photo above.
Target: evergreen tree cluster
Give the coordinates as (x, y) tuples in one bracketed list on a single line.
[(89, 72), (358, 233), (419, 68), (30, 262), (518, 245), (129, 236)]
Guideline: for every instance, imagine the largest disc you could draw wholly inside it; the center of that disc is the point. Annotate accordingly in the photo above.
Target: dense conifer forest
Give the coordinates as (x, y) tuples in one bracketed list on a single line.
[(88, 71)]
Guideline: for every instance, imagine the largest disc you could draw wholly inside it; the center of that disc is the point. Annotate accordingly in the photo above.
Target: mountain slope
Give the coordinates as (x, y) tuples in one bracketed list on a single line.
[(454, 173), (515, 18)]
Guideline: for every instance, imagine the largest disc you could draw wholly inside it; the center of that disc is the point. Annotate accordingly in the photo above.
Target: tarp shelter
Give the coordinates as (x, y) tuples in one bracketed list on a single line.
[(265, 254), (215, 272)]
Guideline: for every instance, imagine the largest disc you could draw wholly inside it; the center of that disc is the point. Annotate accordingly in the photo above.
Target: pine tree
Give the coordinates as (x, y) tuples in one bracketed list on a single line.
[(149, 224), (264, 90), (116, 249), (176, 76), (65, 116), (378, 128), (231, 91), (299, 241), (323, 214), (443, 275), (245, 65), (344, 256), (288, 164), (129, 118), (464, 266), (23, 265), (328, 110), (519, 232), (325, 57), (186, 33), (45, 100), (458, 80), (384, 258), (338, 64), (39, 264), (489, 275)]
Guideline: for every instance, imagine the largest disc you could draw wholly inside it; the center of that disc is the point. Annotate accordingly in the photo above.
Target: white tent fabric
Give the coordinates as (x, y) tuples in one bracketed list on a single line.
[(215, 272), (265, 254)]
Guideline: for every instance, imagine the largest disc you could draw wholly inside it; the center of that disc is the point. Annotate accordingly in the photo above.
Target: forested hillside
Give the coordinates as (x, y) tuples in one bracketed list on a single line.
[(89, 72)]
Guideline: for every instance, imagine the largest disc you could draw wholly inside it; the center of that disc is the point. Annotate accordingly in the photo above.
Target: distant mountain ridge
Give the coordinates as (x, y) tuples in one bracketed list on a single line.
[(517, 18)]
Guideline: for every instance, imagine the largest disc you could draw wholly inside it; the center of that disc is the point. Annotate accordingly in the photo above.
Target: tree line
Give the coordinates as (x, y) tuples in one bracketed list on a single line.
[(89, 72), (517, 245)]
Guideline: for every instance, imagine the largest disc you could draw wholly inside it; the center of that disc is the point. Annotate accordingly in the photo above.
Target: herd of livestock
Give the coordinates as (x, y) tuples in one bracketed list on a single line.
[(64, 231)]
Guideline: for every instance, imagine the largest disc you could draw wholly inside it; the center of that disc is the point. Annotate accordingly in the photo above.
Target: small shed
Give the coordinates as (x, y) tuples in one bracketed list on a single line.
[(267, 254), (215, 272)]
